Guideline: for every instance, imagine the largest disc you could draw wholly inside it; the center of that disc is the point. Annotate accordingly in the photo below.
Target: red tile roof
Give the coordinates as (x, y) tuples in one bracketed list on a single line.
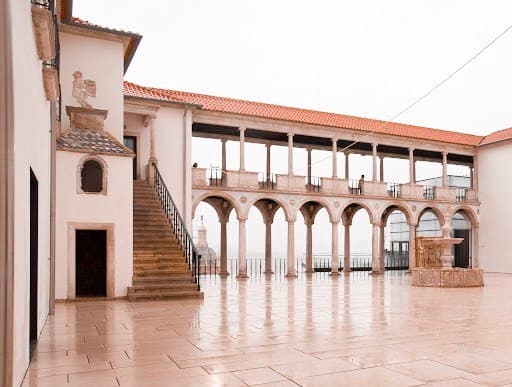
[(276, 112), (500, 135)]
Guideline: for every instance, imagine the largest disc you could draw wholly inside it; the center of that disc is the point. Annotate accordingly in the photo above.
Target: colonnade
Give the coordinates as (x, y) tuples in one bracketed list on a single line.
[(268, 209), (376, 160)]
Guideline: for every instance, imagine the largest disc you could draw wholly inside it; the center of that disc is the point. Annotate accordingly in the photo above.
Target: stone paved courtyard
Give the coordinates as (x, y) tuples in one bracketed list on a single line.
[(359, 330)]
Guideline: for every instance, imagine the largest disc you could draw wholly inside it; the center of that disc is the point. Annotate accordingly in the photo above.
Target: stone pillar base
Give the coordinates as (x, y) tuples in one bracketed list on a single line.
[(376, 272), (242, 276), (334, 273), (226, 274), (268, 272), (291, 275)]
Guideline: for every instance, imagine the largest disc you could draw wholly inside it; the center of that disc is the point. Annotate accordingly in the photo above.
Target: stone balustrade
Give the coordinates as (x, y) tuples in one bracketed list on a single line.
[(245, 180)]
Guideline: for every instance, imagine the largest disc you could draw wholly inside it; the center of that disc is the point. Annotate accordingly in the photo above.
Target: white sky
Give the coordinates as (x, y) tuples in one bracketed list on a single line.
[(365, 58)]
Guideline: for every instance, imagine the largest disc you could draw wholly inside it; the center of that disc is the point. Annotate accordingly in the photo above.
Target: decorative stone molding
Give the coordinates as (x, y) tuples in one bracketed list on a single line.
[(104, 166), (51, 83), (44, 30), (85, 118)]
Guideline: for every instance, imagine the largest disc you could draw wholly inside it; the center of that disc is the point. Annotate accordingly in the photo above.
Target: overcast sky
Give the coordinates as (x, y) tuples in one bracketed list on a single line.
[(365, 58)]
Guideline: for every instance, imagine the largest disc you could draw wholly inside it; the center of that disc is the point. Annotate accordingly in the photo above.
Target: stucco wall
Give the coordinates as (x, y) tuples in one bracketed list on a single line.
[(98, 60), (134, 126), (114, 208), (169, 150), (31, 150), (495, 194)]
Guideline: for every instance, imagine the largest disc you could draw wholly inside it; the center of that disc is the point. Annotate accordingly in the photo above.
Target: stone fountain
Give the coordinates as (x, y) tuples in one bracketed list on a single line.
[(434, 264)]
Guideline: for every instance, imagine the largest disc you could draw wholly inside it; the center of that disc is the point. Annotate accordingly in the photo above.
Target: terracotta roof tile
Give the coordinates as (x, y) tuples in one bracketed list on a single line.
[(92, 141), (264, 110), (500, 135)]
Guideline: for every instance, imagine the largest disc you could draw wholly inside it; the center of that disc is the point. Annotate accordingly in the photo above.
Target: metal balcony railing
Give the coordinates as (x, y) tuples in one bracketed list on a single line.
[(461, 194), (214, 177), (267, 182), (314, 184), (429, 192), (354, 187), (394, 190)]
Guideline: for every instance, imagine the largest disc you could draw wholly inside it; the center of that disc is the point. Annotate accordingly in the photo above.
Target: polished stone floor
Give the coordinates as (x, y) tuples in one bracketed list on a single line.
[(358, 330)]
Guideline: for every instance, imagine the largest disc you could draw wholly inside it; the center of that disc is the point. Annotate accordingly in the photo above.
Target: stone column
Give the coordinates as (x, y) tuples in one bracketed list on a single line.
[(475, 262), (290, 153), (382, 252), (242, 149), (376, 263), (148, 122), (445, 169), (268, 247), (346, 248), (309, 246), (381, 169), (335, 255), (290, 260), (412, 246), (412, 167), (475, 173), (268, 161), (335, 158), (347, 166), (242, 249), (223, 166), (223, 248), (309, 165), (374, 153)]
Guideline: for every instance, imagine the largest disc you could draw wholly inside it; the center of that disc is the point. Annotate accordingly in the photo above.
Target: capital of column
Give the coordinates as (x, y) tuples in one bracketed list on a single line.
[(291, 220), (241, 129), (335, 221), (376, 223), (223, 140), (290, 134), (411, 149), (148, 118), (242, 218), (374, 147), (335, 141)]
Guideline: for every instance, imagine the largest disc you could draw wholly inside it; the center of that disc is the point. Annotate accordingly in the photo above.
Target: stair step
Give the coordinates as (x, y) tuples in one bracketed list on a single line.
[(175, 278), (165, 295)]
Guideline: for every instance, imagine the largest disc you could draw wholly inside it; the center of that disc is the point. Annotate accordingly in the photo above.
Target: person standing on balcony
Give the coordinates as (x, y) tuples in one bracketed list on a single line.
[(361, 185)]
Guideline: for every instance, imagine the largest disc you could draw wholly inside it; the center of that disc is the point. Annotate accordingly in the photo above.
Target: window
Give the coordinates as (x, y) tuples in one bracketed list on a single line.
[(91, 177)]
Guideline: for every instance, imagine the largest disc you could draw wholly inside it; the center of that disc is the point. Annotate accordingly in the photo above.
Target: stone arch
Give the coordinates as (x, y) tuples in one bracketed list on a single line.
[(267, 214), (435, 210), (104, 171), (322, 203), (468, 212), (228, 198), (390, 207), (287, 211), (357, 205)]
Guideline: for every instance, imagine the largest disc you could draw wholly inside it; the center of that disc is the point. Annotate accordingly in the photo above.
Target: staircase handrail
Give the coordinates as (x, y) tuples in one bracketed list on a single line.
[(178, 226)]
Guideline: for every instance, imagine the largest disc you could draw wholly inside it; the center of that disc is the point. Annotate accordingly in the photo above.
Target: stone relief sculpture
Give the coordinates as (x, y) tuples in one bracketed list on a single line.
[(83, 89)]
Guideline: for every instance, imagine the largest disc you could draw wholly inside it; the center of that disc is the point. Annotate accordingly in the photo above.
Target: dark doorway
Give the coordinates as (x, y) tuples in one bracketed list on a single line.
[(131, 143), (34, 238), (461, 252), (91, 263)]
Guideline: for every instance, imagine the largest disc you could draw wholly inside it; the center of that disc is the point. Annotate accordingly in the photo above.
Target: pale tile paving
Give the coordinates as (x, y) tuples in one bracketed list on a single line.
[(356, 330)]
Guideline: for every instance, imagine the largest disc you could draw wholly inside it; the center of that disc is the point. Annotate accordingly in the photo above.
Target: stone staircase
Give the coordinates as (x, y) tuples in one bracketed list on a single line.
[(159, 265)]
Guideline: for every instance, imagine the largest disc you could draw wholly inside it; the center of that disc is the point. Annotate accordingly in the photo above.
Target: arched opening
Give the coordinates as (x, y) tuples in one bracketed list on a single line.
[(91, 176), (263, 255), (212, 222), (429, 223), (397, 243), (318, 242), (462, 228), (357, 238)]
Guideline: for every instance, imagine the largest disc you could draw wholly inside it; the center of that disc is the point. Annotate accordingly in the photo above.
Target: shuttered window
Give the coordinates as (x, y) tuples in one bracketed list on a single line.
[(92, 176)]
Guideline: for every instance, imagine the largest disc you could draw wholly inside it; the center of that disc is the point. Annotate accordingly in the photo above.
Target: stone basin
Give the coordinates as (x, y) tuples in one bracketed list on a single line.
[(447, 277)]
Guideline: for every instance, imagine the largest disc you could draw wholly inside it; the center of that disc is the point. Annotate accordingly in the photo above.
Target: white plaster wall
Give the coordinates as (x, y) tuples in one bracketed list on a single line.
[(31, 150), (134, 126), (115, 208), (495, 194), (98, 60), (169, 150)]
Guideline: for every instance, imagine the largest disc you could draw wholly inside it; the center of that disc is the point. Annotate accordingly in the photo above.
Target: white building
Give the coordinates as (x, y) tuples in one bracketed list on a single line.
[(71, 211)]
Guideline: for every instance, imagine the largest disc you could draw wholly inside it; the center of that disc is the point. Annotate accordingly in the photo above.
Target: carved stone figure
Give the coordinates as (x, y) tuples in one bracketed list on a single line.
[(83, 89)]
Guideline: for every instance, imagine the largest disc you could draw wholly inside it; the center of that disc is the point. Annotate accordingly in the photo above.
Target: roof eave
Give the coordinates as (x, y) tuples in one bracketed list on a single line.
[(164, 103)]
